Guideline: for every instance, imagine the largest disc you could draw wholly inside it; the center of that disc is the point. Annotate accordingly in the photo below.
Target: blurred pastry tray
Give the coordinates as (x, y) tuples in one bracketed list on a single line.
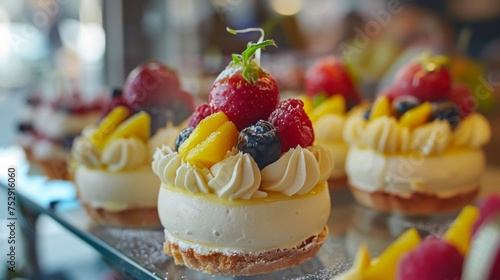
[(138, 253)]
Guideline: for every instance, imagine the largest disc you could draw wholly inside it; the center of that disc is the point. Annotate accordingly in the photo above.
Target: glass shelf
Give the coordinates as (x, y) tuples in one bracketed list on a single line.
[(139, 253)]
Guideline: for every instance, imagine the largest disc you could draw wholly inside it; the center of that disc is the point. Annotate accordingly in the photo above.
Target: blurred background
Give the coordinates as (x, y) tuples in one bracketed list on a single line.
[(57, 46)]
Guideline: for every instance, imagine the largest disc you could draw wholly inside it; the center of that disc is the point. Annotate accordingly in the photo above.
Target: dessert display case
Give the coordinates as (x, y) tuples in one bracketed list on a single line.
[(138, 253)]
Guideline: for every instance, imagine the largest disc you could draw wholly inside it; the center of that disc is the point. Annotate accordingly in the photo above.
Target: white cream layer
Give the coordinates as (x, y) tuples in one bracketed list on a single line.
[(56, 124), (115, 191), (445, 175), (209, 226)]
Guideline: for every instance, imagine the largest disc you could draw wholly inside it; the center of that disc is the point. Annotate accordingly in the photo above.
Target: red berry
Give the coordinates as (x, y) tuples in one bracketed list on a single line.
[(151, 84), (331, 76), (488, 207), (462, 96), (292, 124), (427, 79), (433, 259), (202, 111)]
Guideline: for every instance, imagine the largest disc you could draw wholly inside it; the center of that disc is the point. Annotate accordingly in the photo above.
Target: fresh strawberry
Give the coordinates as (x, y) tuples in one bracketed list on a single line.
[(292, 124), (428, 79), (244, 91), (202, 111), (462, 96), (151, 84), (330, 76)]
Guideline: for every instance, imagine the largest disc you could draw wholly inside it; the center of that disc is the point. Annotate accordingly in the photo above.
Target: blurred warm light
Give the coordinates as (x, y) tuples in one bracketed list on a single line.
[(286, 7)]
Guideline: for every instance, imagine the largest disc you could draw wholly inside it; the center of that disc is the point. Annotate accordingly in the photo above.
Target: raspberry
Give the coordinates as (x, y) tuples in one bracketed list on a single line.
[(202, 111), (293, 125), (433, 259), (488, 207)]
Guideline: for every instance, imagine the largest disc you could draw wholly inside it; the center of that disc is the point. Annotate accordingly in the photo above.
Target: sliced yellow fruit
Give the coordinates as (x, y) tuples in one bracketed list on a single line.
[(459, 233), (381, 107), (416, 116), (362, 261), (308, 103), (214, 147), (333, 105), (108, 125), (138, 125), (385, 266), (202, 131)]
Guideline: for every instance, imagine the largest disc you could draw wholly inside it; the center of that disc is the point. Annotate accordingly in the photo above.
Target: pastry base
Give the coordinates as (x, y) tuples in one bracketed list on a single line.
[(133, 217), (54, 170), (218, 263), (337, 183), (417, 204)]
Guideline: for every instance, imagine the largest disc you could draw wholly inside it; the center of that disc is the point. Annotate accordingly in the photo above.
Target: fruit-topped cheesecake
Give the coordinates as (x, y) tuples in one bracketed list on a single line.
[(55, 124), (331, 97), (417, 150), (112, 160), (245, 191)]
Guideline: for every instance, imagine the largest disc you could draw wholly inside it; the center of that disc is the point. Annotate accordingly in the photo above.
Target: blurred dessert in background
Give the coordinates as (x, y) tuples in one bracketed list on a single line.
[(56, 122), (112, 161), (332, 96), (417, 150), (25, 131)]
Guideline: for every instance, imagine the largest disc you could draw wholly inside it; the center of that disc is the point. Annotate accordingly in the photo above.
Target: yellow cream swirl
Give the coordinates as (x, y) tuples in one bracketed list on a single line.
[(84, 152), (325, 161), (354, 129), (192, 178), (125, 154), (295, 172), (237, 176), (172, 171), (431, 138), (328, 128), (474, 131), (165, 164), (385, 135)]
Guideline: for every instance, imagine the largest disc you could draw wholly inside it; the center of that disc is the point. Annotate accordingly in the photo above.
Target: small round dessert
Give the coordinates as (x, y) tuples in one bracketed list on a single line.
[(55, 125), (333, 97), (245, 191), (420, 153), (111, 161), (235, 219)]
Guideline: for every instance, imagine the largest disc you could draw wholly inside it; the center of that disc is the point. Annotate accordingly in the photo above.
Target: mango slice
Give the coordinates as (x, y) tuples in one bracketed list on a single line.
[(333, 105), (108, 125), (202, 131), (381, 107), (214, 147), (138, 125), (384, 267), (416, 116), (459, 233)]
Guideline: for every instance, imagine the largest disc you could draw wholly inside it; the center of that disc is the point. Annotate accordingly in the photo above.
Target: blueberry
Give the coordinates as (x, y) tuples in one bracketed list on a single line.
[(366, 115), (404, 104), (447, 111), (261, 142), (183, 136), (117, 92)]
